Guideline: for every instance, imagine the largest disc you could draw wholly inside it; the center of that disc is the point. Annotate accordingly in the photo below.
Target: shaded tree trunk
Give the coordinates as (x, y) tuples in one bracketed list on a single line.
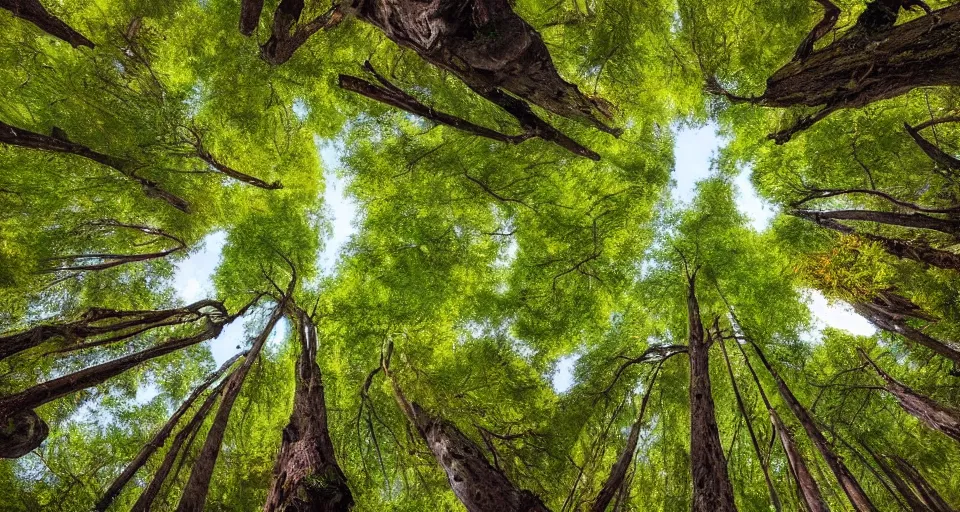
[(250, 11), (288, 35), (906, 220), (34, 12), (903, 489), (851, 487), (927, 492), (712, 491), (198, 485), (618, 472), (477, 484), (898, 325), (933, 414), (306, 476), (58, 143), (117, 325), (935, 153), (160, 438)]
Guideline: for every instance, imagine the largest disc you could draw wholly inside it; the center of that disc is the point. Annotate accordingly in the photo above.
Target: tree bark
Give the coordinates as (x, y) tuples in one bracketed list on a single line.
[(118, 325), (905, 220), (928, 411), (250, 11), (936, 154), (618, 472), (476, 483), (306, 476), (899, 326), (712, 491), (903, 489), (927, 492), (851, 487), (288, 35), (59, 144), (198, 485), (159, 438), (34, 12)]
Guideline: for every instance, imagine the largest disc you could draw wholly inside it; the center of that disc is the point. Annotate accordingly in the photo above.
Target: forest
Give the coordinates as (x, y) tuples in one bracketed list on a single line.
[(459, 255)]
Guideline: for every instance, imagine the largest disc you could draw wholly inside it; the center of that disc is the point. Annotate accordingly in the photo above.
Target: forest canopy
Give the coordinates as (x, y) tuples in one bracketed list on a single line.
[(407, 255)]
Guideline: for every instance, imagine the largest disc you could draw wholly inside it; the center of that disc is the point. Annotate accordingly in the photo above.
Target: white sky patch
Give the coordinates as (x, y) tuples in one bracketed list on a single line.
[(563, 376), (340, 206), (193, 277), (756, 209), (838, 316)]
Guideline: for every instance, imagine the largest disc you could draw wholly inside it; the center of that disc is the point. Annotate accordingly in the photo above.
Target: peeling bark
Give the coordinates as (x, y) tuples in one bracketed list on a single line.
[(160, 438), (476, 483), (34, 12), (58, 143), (198, 485), (934, 415), (306, 476)]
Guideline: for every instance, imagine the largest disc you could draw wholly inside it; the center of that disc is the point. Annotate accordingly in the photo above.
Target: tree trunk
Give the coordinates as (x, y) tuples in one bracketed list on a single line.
[(900, 326), (198, 485), (903, 489), (33, 11), (119, 325), (618, 472), (60, 144), (906, 220), (159, 438), (849, 484), (712, 491), (916, 251), (928, 493), (250, 11), (306, 476), (476, 483), (16, 406), (928, 411)]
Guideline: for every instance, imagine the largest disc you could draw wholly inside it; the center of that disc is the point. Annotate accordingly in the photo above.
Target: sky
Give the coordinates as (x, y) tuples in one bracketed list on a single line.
[(695, 149)]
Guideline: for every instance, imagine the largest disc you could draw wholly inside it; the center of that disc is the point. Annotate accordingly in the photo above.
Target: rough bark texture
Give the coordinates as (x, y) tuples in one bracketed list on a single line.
[(851, 487), (712, 491), (60, 144), (898, 325), (160, 438), (33, 11), (198, 485), (114, 325), (618, 472), (933, 414), (476, 483), (872, 62), (906, 220), (20, 433), (916, 251), (306, 477)]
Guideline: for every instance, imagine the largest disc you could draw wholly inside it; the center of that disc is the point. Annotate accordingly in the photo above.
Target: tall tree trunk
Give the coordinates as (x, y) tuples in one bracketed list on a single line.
[(477, 484), (306, 476), (118, 325), (916, 251), (33, 11), (14, 408), (618, 472), (851, 487), (928, 493), (712, 491), (902, 487), (774, 498), (928, 411), (906, 220), (198, 485), (160, 437), (250, 11), (899, 326), (58, 143)]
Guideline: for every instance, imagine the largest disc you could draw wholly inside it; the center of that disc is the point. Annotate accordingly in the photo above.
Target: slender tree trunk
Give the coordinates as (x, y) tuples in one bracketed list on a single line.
[(934, 415), (198, 485), (906, 220), (774, 498), (849, 484), (618, 472), (712, 491), (908, 494), (160, 437), (928, 493), (59, 143), (477, 484), (306, 476), (900, 326), (34, 12)]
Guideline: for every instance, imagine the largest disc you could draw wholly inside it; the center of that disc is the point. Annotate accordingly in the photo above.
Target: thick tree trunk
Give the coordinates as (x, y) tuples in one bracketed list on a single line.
[(20, 433), (60, 144), (867, 65), (618, 472), (15, 406), (899, 326), (906, 220), (306, 476), (117, 325), (198, 485), (928, 411), (476, 483), (916, 251), (250, 11), (33, 11), (851, 487), (160, 437), (712, 491)]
